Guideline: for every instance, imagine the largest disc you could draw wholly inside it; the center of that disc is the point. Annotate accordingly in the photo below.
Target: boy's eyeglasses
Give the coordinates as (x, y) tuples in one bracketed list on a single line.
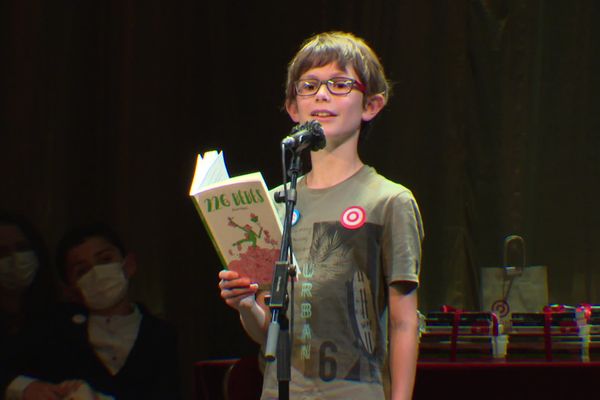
[(336, 86)]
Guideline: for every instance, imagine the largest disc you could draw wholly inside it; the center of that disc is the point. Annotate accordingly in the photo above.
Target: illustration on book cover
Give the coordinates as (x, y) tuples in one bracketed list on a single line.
[(254, 250)]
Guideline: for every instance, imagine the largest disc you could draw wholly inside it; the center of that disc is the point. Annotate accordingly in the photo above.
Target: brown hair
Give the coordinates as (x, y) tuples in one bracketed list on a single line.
[(342, 49)]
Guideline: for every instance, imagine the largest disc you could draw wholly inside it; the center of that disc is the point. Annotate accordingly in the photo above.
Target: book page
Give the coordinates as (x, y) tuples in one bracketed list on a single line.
[(217, 171), (210, 169)]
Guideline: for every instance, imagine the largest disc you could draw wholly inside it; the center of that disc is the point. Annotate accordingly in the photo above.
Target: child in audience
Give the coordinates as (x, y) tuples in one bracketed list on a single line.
[(102, 339)]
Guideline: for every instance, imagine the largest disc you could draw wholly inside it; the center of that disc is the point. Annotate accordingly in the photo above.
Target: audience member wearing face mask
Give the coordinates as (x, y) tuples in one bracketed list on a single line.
[(101, 342), (27, 291)]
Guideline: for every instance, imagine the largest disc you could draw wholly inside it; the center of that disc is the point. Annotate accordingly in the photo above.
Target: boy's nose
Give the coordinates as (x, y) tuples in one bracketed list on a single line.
[(323, 93)]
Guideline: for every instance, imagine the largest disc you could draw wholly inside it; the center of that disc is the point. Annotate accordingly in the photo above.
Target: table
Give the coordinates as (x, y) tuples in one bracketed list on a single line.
[(506, 380), (435, 380)]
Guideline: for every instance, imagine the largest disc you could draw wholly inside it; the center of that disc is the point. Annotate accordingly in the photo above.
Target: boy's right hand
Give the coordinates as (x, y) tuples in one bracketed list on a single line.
[(38, 390), (238, 292)]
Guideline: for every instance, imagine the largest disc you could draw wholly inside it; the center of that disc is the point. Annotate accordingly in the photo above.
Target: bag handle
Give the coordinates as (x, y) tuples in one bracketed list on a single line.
[(512, 270)]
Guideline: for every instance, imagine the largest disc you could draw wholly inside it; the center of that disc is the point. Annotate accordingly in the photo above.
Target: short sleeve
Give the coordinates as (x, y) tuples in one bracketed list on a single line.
[(402, 238)]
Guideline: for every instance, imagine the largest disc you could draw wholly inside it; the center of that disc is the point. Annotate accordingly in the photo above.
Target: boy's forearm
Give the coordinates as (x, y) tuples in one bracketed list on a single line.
[(403, 360), (15, 389), (403, 339), (254, 319)]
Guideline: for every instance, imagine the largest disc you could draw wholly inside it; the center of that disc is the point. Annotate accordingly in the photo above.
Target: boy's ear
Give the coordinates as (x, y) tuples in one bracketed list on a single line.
[(374, 104), (129, 265), (292, 110)]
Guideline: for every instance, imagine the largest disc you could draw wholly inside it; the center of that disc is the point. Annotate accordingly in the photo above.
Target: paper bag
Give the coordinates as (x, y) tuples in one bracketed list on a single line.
[(513, 287)]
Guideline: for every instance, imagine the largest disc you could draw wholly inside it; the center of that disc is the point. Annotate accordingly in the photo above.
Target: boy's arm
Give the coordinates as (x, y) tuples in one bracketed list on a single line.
[(162, 340), (24, 388), (243, 295), (255, 316), (403, 337)]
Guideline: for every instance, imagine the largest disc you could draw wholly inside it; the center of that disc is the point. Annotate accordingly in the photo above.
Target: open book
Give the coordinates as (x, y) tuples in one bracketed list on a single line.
[(239, 216)]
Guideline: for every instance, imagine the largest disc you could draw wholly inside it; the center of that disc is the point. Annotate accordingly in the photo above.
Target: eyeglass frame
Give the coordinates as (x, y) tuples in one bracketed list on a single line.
[(355, 83)]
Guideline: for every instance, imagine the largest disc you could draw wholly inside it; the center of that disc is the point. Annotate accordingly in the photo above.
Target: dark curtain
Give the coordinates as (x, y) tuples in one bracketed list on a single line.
[(494, 125)]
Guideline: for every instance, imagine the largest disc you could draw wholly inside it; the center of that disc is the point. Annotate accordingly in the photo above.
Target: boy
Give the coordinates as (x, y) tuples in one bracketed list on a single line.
[(103, 339), (357, 241)]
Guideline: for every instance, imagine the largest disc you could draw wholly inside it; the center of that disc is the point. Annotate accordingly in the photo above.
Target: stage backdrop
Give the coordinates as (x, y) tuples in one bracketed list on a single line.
[(494, 125)]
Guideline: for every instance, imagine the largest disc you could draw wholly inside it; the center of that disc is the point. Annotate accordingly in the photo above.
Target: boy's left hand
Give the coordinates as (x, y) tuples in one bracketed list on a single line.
[(78, 390)]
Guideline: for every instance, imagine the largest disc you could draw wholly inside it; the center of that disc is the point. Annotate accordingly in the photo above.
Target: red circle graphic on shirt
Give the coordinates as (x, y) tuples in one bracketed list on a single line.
[(353, 217)]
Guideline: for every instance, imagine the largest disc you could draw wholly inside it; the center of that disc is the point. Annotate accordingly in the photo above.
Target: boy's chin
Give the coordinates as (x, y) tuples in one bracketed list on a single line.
[(337, 136)]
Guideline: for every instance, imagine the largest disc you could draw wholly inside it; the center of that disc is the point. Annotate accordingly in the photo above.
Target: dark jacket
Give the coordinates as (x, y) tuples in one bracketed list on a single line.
[(150, 371)]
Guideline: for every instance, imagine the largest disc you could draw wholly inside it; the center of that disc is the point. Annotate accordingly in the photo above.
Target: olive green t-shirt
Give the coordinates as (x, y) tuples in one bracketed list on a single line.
[(351, 241)]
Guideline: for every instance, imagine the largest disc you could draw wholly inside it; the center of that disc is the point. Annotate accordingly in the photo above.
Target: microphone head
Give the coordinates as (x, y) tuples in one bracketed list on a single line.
[(319, 140), (308, 135)]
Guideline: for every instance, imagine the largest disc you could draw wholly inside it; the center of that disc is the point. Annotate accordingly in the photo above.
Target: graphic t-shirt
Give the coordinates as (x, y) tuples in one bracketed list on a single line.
[(351, 241)]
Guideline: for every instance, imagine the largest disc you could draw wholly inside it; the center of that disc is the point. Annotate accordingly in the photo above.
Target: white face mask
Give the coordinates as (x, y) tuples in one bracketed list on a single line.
[(103, 286), (18, 270)]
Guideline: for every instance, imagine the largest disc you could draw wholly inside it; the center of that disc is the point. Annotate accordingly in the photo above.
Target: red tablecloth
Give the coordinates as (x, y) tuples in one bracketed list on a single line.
[(448, 380), (507, 381)]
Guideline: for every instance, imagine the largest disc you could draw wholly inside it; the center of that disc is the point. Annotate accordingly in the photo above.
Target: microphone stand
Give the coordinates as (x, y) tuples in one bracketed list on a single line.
[(278, 345)]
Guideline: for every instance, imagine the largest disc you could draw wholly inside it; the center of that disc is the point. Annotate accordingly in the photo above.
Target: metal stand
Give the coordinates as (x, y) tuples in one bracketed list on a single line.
[(278, 336)]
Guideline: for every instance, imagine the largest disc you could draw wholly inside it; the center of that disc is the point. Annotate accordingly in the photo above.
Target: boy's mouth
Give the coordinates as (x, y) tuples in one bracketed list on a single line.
[(322, 113)]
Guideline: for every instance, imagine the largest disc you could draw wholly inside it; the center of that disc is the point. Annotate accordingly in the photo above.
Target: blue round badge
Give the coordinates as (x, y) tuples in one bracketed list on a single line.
[(295, 217)]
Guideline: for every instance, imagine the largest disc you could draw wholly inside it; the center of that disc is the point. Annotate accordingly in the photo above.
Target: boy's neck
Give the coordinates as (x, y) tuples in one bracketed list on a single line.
[(124, 307), (332, 166)]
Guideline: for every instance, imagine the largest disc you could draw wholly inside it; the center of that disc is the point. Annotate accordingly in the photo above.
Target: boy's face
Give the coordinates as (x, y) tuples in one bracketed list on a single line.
[(93, 251), (340, 115)]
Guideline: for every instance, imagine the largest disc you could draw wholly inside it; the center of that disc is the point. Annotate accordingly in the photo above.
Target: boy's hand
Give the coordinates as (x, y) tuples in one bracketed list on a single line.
[(238, 292), (77, 390), (38, 390)]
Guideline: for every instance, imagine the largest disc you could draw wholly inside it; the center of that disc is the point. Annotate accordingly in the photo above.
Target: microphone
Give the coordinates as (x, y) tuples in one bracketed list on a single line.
[(307, 135)]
